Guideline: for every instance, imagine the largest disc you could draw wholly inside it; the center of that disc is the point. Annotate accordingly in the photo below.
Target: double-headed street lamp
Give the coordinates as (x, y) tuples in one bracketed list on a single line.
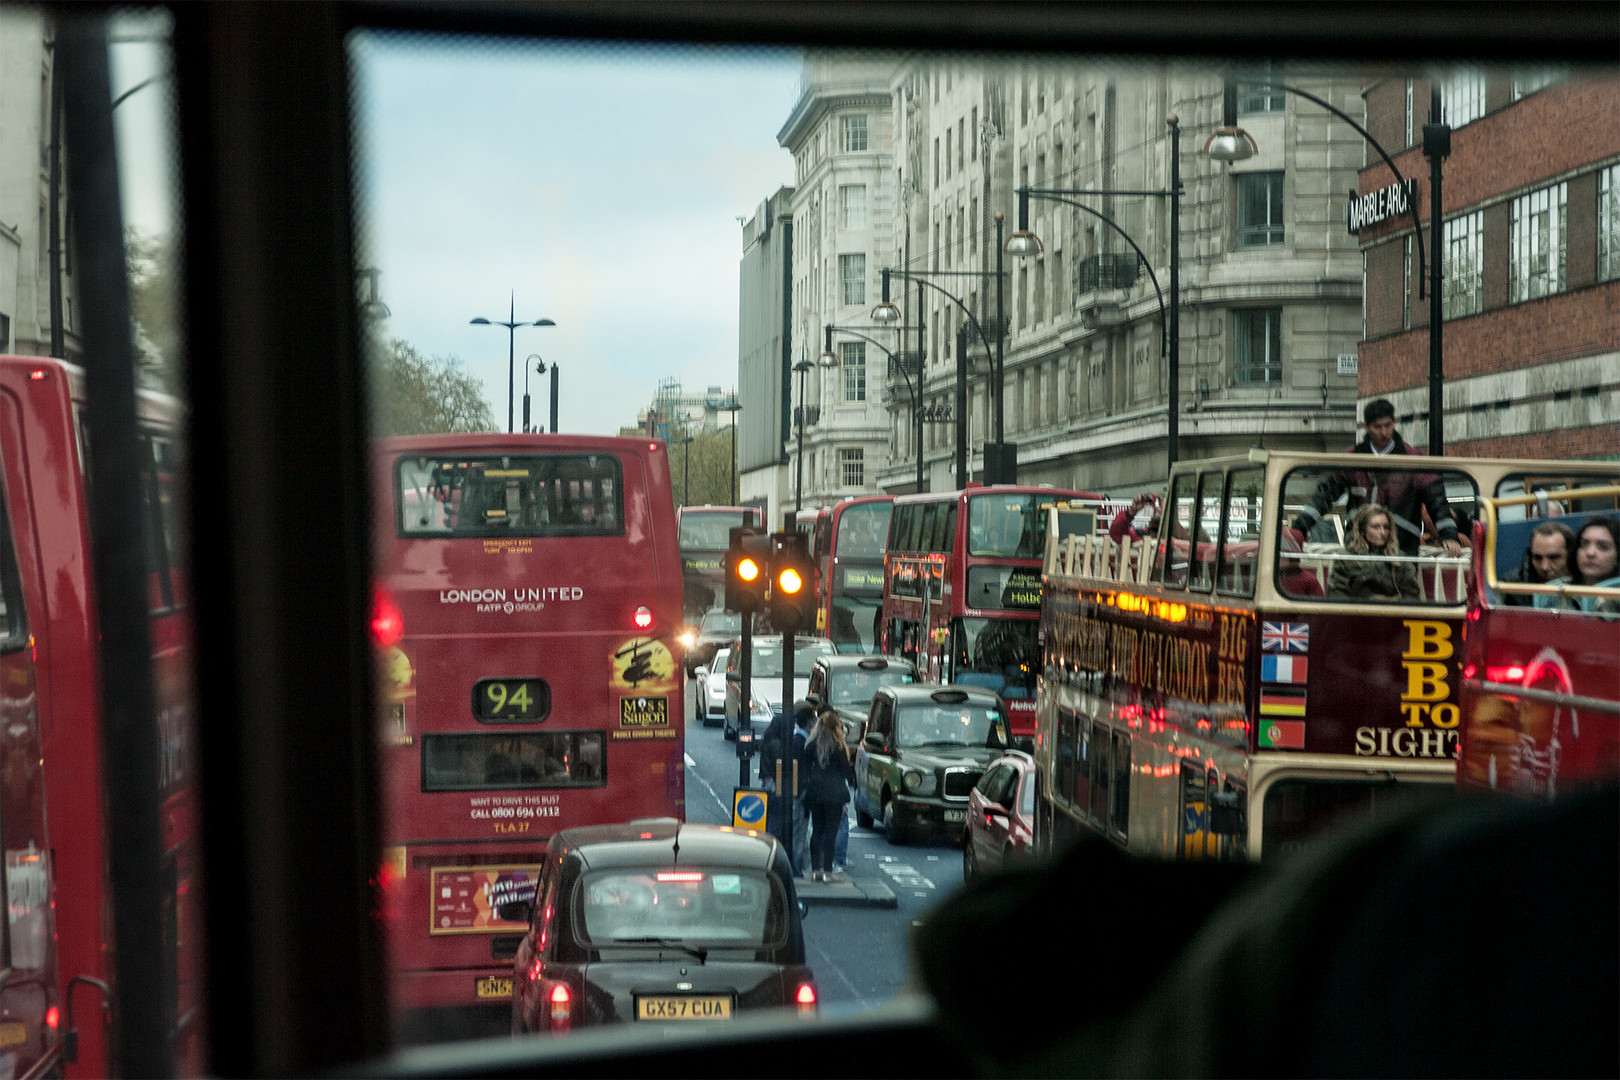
[(511, 325), (1024, 243), (1231, 143), (802, 367), (732, 406), (895, 361), (1000, 465)]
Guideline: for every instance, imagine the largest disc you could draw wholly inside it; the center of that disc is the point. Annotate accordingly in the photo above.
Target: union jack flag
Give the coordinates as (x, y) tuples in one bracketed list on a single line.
[(1285, 637)]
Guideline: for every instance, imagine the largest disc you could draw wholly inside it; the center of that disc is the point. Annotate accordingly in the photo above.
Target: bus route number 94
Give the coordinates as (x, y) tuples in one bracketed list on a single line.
[(511, 701)]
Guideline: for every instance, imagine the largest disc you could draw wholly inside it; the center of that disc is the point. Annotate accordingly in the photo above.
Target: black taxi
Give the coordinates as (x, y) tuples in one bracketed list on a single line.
[(921, 751), (660, 923), (847, 684)]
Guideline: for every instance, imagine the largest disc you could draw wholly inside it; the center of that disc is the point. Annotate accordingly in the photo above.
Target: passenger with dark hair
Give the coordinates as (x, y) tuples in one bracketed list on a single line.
[(1546, 559), (1406, 494), (1597, 563)]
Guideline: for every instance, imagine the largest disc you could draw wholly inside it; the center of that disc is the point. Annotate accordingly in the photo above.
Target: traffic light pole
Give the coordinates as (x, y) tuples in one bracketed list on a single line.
[(745, 708)]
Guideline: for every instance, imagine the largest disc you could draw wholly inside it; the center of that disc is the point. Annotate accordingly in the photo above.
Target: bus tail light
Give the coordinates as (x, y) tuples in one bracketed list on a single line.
[(562, 1009), (807, 999), (1502, 673), (643, 617), (53, 1017), (387, 622)]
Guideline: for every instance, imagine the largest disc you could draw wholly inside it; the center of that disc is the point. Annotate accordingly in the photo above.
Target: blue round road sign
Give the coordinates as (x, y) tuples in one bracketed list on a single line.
[(748, 810)]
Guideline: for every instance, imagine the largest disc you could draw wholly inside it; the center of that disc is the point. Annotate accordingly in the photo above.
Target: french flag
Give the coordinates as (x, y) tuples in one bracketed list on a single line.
[(1282, 668)]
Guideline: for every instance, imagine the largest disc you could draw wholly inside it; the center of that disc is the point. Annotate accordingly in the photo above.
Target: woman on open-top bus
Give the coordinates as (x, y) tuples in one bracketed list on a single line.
[(1384, 575)]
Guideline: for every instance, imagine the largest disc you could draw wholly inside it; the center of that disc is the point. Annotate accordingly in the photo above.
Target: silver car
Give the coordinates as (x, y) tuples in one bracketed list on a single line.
[(711, 689), (767, 677)]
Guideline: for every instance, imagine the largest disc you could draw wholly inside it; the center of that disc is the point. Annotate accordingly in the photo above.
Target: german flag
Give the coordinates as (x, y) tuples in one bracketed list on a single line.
[(1280, 702)]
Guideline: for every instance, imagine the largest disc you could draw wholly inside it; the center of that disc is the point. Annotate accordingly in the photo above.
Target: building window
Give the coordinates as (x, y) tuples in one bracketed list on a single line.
[(1536, 243), (853, 269), (852, 466), (974, 152), (1462, 97), (852, 358), (1406, 284), (1257, 351), (1609, 223), (854, 200), (961, 142), (1409, 112), (1262, 95), (1464, 258), (947, 153), (854, 134), (1260, 209), (1526, 83), (936, 162)]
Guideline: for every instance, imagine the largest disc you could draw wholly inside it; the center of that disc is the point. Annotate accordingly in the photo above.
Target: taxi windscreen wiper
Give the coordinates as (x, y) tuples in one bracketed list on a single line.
[(663, 942)]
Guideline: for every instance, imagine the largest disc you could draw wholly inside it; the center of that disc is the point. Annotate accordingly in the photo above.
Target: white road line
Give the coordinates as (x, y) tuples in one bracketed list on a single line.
[(725, 807)]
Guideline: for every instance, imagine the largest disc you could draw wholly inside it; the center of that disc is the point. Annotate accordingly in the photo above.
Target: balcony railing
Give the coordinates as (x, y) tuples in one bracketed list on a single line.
[(1113, 270)]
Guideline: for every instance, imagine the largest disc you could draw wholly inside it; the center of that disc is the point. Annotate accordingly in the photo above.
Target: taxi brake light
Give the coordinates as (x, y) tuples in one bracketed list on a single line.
[(562, 1008), (685, 876), (807, 998)]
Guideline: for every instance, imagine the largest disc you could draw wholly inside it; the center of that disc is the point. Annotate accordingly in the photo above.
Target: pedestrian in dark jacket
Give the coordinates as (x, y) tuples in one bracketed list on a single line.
[(1378, 578), (778, 746), (824, 779), (1405, 493)]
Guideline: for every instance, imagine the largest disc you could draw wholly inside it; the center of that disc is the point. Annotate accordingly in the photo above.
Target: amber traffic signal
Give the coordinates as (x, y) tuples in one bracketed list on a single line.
[(748, 569), (792, 580)]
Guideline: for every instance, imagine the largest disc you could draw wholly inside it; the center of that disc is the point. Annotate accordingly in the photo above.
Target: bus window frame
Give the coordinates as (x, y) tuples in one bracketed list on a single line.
[(1233, 476)]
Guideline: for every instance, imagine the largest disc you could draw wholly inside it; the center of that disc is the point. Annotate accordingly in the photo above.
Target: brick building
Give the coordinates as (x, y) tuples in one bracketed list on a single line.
[(1531, 264)]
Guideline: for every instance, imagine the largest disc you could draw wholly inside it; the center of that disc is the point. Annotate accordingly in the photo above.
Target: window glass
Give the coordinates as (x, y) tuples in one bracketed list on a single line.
[(1102, 773), (1240, 536), (1000, 654), (1065, 751), (1326, 540), (768, 656), (863, 530), (1119, 811), (1609, 223), (938, 724), (711, 529), (1257, 346), (859, 686), (550, 495), (1537, 243), (13, 626), (1464, 264), (538, 759), (725, 908), (1173, 552), (1259, 209), (1205, 532), (1003, 525)]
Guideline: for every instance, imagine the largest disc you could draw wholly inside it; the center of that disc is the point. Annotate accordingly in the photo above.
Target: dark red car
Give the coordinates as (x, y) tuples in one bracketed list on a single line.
[(1001, 815)]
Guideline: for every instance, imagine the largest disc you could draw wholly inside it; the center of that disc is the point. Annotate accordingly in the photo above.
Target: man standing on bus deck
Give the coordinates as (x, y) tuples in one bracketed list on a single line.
[(1405, 494)]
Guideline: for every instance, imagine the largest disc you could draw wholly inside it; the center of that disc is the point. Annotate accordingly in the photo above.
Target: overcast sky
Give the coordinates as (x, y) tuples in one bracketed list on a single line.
[(601, 185)]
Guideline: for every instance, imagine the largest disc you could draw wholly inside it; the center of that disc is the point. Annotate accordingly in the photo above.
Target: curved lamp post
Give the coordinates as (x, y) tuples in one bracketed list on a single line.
[(1231, 143), (511, 325), (1023, 243), (828, 359)]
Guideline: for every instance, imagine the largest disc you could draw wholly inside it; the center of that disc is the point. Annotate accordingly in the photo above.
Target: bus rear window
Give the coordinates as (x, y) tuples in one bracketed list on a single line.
[(1298, 811), (511, 495), (549, 759)]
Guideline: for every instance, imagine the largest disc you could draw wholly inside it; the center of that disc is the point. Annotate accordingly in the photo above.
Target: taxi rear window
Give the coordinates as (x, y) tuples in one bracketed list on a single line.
[(691, 905)]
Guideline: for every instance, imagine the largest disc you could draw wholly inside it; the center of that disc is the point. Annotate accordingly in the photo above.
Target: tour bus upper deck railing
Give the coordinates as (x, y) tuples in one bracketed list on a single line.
[(1488, 507)]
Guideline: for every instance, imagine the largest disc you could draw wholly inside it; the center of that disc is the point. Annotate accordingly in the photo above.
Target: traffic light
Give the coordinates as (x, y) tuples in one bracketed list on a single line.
[(792, 585), (748, 569)]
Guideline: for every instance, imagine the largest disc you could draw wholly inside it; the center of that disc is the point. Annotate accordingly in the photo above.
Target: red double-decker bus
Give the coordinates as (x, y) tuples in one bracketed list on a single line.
[(1541, 660), (848, 540), (962, 585), (529, 593), (705, 535), (58, 956)]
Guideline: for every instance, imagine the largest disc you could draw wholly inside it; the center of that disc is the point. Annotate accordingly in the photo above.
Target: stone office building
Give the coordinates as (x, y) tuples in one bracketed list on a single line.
[(1270, 299)]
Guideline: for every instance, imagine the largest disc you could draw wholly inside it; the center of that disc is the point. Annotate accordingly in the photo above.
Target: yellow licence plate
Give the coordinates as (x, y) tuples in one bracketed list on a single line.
[(715, 1007), (494, 986)]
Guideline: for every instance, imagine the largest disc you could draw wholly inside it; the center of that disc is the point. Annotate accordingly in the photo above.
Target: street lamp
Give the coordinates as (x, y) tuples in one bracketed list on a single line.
[(732, 406), (802, 367), (1231, 143), (1024, 243), (829, 359), (1000, 465), (539, 368), (511, 325)]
